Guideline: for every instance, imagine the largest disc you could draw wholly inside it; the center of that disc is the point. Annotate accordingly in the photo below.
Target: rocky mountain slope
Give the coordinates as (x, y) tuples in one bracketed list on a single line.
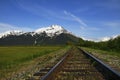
[(52, 35)]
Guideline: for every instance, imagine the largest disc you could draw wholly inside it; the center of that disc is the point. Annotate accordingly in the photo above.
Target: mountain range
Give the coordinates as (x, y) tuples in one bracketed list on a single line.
[(52, 35)]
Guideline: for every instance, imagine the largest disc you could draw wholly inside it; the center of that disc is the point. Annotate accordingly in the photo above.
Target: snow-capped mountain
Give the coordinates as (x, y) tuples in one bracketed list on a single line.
[(52, 30), (13, 32), (52, 35), (108, 38)]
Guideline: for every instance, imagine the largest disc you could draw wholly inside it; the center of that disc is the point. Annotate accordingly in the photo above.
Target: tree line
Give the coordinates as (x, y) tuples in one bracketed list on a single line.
[(111, 45)]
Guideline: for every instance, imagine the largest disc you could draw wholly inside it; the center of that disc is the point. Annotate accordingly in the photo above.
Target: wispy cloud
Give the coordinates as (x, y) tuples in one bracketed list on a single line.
[(113, 24), (6, 27), (75, 18), (82, 10), (39, 10), (84, 30), (47, 13)]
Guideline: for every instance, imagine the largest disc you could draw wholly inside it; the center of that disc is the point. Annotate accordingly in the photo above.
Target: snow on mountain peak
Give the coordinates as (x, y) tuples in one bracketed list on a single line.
[(13, 32), (52, 30), (108, 38)]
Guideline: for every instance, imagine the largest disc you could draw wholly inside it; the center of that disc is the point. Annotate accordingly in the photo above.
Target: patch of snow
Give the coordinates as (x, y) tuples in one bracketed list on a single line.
[(14, 32), (108, 38), (90, 39), (52, 30), (103, 39)]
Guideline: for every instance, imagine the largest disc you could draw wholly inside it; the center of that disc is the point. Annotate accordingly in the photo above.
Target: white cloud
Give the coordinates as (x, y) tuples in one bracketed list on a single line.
[(114, 24), (105, 39), (75, 18), (7, 27), (108, 38)]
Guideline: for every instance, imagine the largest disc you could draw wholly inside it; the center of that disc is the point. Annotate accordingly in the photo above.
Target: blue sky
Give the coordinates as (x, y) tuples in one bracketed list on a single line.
[(91, 19)]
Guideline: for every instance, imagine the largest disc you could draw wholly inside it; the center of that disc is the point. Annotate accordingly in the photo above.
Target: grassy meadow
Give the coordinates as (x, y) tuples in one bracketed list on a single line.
[(12, 57)]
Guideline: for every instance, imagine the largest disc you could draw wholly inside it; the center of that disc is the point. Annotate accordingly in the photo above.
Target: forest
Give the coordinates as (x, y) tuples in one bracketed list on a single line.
[(111, 45)]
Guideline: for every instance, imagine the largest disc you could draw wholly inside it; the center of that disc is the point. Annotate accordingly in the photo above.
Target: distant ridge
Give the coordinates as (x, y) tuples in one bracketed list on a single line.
[(52, 35)]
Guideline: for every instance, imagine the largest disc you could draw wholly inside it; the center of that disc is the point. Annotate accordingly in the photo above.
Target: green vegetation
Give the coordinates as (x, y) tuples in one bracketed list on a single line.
[(108, 51), (112, 45), (109, 57), (103, 52), (12, 56)]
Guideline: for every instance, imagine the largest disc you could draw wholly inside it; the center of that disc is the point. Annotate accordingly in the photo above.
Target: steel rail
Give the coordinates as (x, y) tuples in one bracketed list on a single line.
[(104, 69), (49, 75), (107, 71)]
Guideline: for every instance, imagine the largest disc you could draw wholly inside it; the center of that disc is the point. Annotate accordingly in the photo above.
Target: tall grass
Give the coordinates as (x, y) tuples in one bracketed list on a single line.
[(13, 56)]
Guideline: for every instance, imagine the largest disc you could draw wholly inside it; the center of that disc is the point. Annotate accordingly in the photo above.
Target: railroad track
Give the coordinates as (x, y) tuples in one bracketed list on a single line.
[(77, 64)]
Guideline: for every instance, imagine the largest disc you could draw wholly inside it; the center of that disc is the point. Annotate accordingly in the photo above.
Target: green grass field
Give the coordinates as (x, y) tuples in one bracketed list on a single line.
[(12, 56)]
